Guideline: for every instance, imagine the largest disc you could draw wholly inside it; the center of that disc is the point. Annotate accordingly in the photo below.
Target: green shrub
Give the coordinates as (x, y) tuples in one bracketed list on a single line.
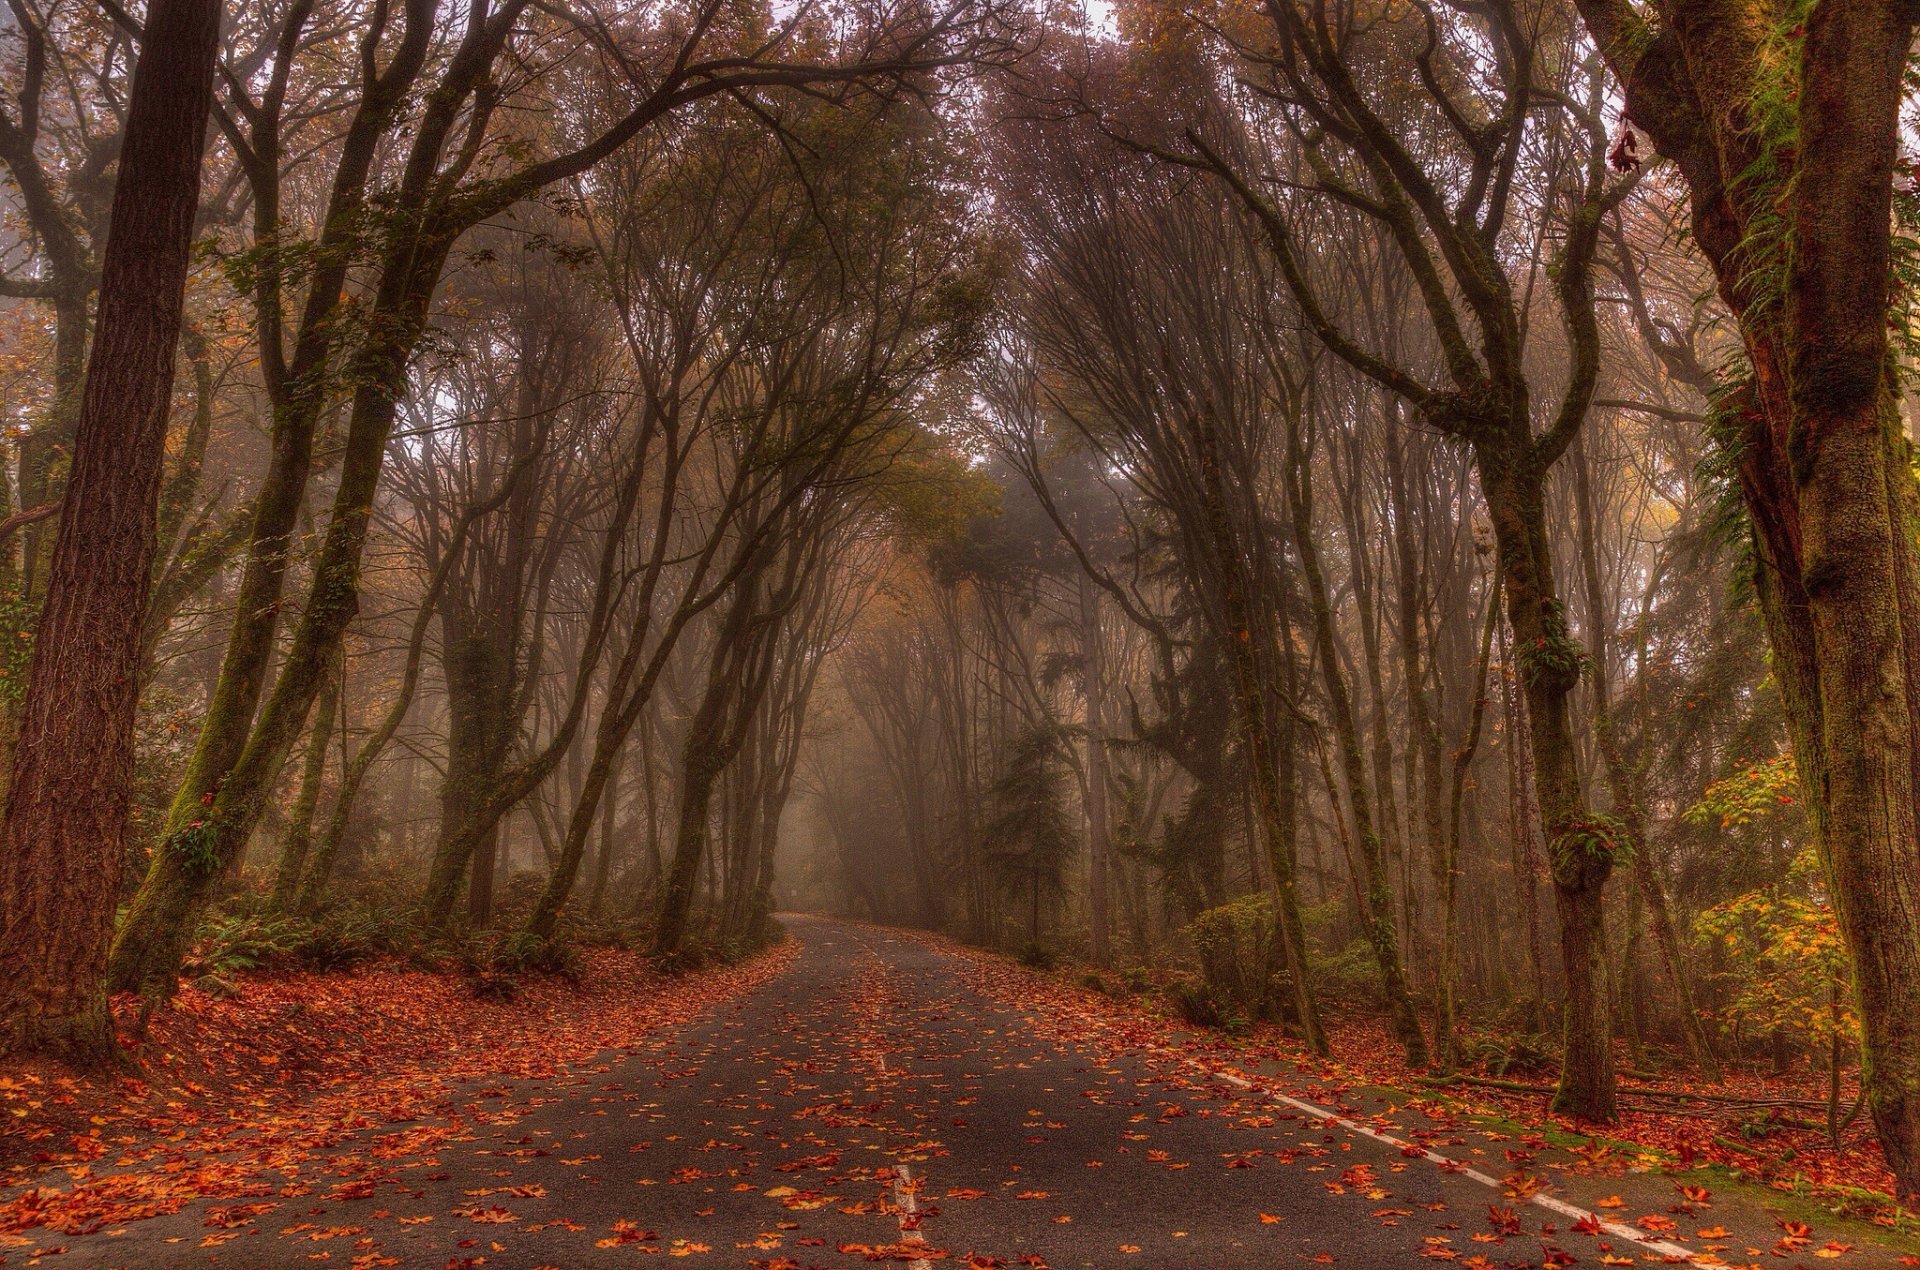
[(1196, 1003), (235, 942), (1511, 1054), (524, 952), (1037, 956), (1238, 948)]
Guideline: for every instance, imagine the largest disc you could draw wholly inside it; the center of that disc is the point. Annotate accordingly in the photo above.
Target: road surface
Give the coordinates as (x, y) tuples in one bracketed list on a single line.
[(876, 1103)]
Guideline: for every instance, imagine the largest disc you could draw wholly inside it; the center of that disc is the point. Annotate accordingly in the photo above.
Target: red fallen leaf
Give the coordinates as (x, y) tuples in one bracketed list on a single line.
[(1588, 1224), (1504, 1220), (491, 1215), (896, 1252), (626, 1232)]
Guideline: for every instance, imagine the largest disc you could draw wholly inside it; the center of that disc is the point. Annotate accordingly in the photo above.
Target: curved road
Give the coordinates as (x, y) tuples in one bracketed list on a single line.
[(874, 1104)]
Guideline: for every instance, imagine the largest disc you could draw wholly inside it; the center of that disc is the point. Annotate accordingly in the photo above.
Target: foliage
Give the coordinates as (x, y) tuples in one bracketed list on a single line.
[(1754, 793), (1556, 656), (1198, 1006), (523, 951), (1785, 964), (18, 618), (1595, 837), (196, 844), (1032, 834), (1238, 950), (1037, 956), (1507, 1053), (234, 942)]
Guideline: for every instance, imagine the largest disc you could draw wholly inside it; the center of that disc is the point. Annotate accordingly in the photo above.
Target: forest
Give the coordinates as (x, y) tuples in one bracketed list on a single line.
[(1386, 525)]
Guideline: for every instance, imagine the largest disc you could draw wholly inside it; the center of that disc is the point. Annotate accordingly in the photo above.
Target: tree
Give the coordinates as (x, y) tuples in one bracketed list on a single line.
[(1784, 125), (60, 839), (437, 102), (1360, 147)]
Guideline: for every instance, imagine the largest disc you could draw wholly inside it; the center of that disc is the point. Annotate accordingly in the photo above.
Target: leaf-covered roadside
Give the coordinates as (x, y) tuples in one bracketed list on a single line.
[(1749, 1124), (313, 1083)]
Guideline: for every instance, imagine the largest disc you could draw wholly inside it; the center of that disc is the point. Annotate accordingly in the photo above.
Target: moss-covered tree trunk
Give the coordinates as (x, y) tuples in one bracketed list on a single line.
[(204, 833), (298, 843), (1805, 260), (1579, 847)]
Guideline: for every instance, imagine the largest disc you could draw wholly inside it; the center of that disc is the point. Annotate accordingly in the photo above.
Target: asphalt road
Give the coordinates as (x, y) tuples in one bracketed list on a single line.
[(872, 1104)]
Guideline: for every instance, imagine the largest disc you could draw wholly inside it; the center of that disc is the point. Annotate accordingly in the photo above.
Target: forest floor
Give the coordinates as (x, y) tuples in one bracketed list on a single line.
[(854, 1095)]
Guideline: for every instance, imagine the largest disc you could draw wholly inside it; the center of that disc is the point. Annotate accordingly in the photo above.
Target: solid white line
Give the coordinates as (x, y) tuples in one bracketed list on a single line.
[(909, 1207), (1619, 1230)]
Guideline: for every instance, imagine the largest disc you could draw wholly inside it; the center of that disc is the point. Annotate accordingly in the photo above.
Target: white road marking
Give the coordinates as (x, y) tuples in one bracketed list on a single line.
[(1672, 1252), (1619, 1230), (909, 1207)]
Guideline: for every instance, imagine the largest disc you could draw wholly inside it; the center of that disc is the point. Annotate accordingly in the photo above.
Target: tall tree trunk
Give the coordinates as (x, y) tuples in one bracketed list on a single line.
[(154, 937), (1446, 1022), (1099, 843), (1424, 759), (1376, 886), (62, 837), (1579, 851), (1266, 727), (702, 762), (299, 837), (1621, 785), (600, 774), (482, 723), (1805, 260), (609, 821)]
